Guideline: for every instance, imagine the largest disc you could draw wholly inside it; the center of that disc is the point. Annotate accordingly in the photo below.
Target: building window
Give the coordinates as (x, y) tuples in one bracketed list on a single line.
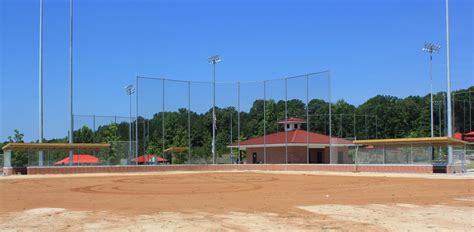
[(296, 126), (287, 126)]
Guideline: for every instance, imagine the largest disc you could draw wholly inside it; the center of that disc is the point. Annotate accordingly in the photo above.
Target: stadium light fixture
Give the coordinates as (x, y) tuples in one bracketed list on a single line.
[(214, 60), (431, 48)]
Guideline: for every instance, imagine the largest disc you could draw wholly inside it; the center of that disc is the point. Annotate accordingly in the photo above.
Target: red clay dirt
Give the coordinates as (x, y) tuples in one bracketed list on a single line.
[(225, 192)]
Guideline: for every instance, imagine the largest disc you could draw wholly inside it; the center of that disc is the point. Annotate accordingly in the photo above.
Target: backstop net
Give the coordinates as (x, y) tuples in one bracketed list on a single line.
[(286, 120)]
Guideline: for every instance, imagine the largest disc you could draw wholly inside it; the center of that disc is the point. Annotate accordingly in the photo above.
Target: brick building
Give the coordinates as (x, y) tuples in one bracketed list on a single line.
[(300, 145)]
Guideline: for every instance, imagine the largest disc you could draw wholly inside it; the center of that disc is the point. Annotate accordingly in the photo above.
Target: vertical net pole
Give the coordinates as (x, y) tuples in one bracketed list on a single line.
[(470, 111), (163, 118), (286, 121), (144, 136), (307, 119), (230, 141), (355, 130), (464, 115), (376, 127), (330, 117), (238, 119), (264, 122), (341, 132), (366, 127), (93, 128), (130, 137), (189, 121), (136, 120)]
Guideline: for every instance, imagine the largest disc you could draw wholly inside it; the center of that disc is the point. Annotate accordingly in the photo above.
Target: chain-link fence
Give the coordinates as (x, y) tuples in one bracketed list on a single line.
[(119, 153), (287, 120), (284, 120)]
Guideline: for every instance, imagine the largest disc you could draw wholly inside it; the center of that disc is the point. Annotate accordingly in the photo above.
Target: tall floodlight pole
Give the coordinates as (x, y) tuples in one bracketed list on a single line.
[(214, 60), (40, 83), (431, 48), (71, 115), (130, 91), (448, 94)]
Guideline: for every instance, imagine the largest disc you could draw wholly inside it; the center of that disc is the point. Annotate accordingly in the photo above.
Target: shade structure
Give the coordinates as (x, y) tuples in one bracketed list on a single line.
[(55, 146), (176, 149), (149, 158), (79, 159), (469, 137), (426, 140)]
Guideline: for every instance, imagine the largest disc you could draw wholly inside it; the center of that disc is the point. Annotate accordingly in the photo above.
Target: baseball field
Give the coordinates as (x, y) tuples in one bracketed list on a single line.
[(237, 201)]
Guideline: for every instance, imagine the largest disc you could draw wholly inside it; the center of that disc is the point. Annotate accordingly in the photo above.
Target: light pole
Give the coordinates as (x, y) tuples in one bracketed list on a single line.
[(448, 94), (431, 48), (214, 60), (130, 91), (40, 83), (71, 116)]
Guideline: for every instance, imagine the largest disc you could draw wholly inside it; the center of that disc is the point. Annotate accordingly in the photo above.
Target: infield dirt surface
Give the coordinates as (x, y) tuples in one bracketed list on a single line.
[(237, 201)]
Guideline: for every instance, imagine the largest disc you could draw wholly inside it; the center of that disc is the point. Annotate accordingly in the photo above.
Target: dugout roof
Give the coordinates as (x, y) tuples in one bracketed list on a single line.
[(426, 140), (55, 146)]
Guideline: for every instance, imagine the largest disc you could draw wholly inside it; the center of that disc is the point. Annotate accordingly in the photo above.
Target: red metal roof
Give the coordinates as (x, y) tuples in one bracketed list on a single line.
[(79, 159), (148, 158), (294, 136)]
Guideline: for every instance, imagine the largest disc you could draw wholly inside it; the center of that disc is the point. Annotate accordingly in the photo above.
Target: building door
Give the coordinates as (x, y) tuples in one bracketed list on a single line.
[(254, 158), (316, 156), (319, 157)]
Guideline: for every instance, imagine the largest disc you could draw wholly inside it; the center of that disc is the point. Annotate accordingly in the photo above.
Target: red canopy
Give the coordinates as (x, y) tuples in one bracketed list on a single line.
[(470, 133), (149, 158), (79, 159)]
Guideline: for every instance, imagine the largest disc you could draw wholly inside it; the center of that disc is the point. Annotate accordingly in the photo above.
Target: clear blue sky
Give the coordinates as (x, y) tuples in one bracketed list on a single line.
[(371, 47)]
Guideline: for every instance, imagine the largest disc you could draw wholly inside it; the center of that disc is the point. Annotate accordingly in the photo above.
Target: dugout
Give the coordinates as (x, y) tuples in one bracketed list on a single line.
[(413, 151), (46, 154)]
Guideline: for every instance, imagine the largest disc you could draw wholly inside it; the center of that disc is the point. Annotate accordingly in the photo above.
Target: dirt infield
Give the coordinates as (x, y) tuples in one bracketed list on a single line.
[(236, 201)]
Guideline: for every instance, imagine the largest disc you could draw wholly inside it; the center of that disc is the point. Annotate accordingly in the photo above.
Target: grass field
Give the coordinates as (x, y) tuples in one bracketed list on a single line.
[(237, 201)]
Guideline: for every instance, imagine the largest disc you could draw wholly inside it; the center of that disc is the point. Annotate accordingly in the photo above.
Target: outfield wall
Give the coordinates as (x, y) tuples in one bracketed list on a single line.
[(231, 167)]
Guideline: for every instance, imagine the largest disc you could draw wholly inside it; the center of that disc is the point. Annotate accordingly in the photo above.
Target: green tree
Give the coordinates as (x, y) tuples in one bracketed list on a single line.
[(19, 158), (84, 135)]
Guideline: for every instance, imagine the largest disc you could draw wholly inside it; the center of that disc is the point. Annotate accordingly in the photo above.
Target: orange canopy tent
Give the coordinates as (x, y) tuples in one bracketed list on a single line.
[(149, 158)]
